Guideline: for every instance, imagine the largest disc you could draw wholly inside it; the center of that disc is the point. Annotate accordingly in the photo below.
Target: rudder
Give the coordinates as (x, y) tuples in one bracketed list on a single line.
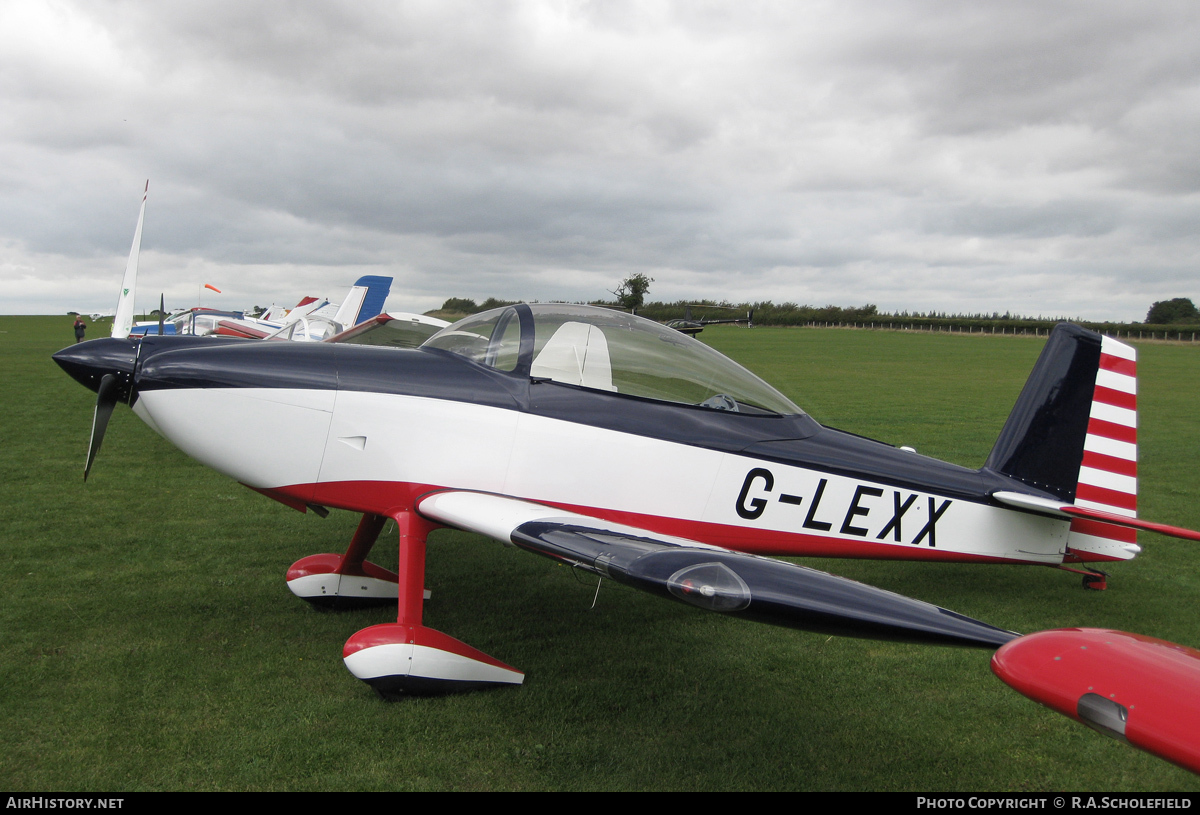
[(1073, 434)]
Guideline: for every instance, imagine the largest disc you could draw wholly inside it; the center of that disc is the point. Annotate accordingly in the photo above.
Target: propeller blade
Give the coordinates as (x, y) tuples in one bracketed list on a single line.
[(162, 315), (106, 400)]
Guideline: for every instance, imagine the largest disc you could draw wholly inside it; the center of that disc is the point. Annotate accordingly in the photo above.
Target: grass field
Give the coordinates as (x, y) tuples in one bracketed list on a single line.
[(149, 642)]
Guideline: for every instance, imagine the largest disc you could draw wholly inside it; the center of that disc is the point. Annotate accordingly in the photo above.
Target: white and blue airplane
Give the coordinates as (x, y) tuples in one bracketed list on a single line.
[(637, 454), (619, 445)]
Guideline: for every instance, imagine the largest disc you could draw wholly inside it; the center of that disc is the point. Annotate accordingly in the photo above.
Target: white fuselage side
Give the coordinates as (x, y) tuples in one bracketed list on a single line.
[(737, 501)]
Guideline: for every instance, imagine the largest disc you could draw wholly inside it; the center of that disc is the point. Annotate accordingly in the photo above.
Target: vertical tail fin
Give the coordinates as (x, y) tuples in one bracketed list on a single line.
[(364, 301), (1073, 434), (123, 320)]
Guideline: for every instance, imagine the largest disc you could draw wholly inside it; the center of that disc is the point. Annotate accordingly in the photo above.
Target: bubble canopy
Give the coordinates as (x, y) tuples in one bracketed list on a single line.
[(606, 350)]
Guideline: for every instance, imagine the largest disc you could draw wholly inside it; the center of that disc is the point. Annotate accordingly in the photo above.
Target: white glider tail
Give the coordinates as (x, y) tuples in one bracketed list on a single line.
[(123, 321)]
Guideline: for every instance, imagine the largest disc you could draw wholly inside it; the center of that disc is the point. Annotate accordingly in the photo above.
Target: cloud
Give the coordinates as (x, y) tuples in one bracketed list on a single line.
[(1021, 157)]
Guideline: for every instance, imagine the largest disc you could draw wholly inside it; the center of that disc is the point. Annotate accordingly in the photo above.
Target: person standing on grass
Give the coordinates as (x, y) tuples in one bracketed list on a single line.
[(80, 327)]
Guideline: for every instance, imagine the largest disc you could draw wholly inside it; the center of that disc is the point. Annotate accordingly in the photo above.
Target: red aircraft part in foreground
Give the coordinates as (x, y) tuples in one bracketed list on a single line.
[(1137, 689)]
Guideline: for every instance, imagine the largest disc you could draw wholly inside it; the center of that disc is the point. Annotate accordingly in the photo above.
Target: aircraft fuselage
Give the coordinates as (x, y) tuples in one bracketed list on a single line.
[(371, 430)]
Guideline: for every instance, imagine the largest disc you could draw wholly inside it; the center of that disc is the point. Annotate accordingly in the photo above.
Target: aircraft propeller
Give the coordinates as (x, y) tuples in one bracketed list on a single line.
[(105, 366), (106, 400)]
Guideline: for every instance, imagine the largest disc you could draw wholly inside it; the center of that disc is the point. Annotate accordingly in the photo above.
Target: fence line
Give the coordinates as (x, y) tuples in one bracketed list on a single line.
[(1037, 331)]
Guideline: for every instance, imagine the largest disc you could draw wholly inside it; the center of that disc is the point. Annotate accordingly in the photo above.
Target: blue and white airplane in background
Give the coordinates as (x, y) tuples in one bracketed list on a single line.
[(315, 319), (312, 319)]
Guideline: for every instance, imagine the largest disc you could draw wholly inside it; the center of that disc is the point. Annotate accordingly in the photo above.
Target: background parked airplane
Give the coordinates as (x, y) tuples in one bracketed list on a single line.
[(312, 319)]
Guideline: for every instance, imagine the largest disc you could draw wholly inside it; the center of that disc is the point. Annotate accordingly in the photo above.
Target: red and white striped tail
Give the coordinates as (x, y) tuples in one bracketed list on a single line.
[(1108, 473)]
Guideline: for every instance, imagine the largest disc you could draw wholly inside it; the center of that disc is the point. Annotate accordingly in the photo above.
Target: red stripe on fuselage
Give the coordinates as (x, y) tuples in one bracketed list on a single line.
[(388, 498), (774, 543)]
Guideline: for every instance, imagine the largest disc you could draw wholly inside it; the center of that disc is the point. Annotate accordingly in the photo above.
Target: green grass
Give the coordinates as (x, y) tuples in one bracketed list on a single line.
[(149, 642)]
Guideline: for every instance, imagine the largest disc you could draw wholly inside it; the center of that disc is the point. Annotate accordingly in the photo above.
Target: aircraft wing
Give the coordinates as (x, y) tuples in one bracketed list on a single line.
[(236, 328), (709, 577), (1059, 509), (1137, 689)]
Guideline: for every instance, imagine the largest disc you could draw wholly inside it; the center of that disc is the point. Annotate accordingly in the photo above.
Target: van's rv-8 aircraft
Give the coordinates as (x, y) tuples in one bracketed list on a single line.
[(548, 428)]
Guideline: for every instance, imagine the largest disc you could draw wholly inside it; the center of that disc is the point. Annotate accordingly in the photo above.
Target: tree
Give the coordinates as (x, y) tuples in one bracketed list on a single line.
[(632, 291), (460, 305), (1179, 310)]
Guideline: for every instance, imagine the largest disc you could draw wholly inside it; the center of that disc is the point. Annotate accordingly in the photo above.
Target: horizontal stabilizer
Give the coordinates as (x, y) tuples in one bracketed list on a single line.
[(1058, 509), (709, 577)]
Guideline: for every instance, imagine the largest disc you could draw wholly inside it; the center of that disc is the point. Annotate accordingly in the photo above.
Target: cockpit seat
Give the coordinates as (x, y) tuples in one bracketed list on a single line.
[(577, 354)]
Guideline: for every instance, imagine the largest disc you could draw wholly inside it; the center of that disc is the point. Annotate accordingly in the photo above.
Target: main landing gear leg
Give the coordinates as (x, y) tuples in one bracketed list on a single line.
[(349, 580), (1093, 579), (405, 658)]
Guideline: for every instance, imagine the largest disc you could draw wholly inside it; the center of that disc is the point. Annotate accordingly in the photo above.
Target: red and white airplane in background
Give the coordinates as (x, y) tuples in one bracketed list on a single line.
[(315, 319), (312, 319)]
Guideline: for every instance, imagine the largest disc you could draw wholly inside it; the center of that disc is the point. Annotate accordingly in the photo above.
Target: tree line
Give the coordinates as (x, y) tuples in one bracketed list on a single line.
[(1169, 315), (766, 312)]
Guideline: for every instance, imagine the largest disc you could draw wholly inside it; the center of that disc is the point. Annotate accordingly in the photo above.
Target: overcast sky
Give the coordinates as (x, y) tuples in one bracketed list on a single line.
[(1039, 157)]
